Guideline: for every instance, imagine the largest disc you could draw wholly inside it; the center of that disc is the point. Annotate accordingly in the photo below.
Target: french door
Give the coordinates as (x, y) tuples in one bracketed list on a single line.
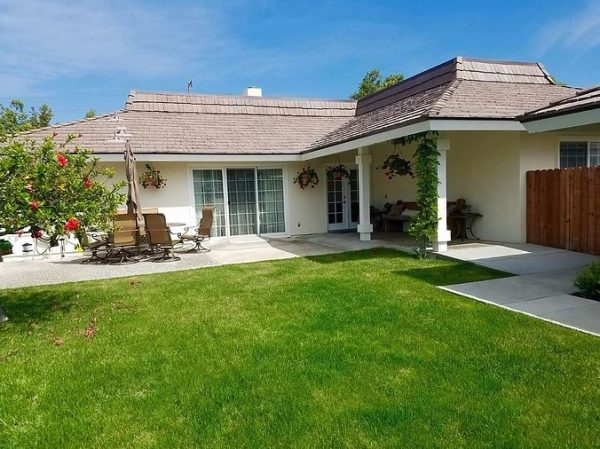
[(246, 200), (342, 201)]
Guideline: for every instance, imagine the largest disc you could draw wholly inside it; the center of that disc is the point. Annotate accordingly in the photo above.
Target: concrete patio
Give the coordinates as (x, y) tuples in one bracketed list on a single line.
[(25, 271), (542, 287)]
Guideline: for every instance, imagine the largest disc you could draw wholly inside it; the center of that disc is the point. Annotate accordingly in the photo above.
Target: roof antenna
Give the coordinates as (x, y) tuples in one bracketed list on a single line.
[(190, 86)]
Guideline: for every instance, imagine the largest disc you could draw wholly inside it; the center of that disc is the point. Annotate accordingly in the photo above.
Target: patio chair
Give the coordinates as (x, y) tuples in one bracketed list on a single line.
[(159, 237), (198, 234), (93, 245), (123, 242)]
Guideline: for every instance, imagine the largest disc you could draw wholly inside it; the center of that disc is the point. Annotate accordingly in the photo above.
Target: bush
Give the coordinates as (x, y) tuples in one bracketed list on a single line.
[(5, 245), (588, 281)]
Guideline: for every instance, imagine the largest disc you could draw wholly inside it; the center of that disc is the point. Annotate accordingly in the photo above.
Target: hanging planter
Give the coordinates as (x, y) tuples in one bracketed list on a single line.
[(307, 177), (151, 178), (338, 172), (396, 165)]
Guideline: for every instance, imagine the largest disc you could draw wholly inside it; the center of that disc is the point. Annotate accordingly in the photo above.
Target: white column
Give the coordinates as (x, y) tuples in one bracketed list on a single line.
[(363, 160), (443, 234)]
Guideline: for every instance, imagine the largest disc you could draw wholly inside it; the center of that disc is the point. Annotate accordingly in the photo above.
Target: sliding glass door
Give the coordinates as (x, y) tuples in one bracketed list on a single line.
[(246, 200), (208, 191), (241, 190), (270, 200)]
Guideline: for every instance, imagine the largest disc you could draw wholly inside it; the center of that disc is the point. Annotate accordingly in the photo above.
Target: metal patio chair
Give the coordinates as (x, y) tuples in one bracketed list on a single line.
[(200, 233)]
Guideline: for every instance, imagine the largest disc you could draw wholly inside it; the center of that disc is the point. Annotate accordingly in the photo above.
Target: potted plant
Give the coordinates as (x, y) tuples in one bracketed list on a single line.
[(308, 176), (5, 247), (396, 165), (151, 177), (338, 172)]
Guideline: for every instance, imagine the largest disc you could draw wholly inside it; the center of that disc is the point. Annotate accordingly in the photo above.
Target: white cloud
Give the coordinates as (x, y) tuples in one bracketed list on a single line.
[(41, 40), (579, 33)]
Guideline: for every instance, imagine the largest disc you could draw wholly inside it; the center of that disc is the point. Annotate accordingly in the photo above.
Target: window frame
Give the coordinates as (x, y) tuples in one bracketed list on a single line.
[(588, 141)]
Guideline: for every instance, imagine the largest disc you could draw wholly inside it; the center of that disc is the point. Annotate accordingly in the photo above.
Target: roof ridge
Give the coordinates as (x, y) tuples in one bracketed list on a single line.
[(134, 93), (439, 104), (72, 122)]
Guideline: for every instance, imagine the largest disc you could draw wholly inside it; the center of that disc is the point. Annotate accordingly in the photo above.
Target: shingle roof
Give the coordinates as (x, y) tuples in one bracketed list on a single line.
[(581, 101), (190, 123), (457, 89), (165, 122)]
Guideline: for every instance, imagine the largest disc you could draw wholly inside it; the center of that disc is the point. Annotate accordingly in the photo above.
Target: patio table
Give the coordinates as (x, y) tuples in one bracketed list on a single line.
[(465, 223)]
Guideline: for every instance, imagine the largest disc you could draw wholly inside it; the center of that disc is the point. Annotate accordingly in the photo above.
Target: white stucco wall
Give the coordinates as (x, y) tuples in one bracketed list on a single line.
[(305, 209), (483, 168)]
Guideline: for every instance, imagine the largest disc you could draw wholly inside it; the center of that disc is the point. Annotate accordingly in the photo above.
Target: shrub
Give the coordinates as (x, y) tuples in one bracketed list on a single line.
[(588, 281)]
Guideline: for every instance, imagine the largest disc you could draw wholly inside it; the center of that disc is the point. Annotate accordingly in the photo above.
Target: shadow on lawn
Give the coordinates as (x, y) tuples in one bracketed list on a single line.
[(29, 305), (366, 254), (457, 273)]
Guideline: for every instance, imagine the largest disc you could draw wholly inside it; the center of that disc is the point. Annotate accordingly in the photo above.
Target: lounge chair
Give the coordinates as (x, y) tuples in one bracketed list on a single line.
[(159, 237), (198, 234), (123, 242)]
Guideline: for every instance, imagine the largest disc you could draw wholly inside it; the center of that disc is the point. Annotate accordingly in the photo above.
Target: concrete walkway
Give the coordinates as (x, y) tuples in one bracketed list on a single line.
[(542, 288)]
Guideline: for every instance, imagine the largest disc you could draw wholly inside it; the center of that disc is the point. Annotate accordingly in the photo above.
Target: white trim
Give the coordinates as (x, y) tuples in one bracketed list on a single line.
[(568, 120), (226, 201), (224, 158), (426, 125), (475, 125), (369, 140)]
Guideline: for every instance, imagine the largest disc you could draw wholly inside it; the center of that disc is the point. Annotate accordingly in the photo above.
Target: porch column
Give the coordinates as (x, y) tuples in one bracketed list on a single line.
[(363, 160), (443, 234)]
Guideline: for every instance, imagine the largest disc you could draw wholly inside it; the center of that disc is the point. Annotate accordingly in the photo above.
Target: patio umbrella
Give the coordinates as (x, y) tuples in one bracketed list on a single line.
[(133, 189)]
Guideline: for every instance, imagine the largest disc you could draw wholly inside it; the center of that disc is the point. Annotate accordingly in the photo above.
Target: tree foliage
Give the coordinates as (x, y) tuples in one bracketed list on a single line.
[(15, 119), (373, 81), (91, 113), (54, 189)]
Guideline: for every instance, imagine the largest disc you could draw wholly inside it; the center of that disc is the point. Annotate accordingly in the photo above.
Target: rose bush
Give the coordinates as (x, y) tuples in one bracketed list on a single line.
[(54, 187)]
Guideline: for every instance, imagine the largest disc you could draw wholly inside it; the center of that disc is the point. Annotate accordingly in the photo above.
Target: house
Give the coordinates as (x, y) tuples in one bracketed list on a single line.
[(241, 153)]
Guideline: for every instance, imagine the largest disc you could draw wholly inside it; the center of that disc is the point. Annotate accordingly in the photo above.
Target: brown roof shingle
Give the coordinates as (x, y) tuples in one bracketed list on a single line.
[(458, 89), (581, 101), (165, 122)]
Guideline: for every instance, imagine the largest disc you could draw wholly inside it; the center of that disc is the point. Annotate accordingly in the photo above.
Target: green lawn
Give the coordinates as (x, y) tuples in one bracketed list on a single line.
[(343, 351)]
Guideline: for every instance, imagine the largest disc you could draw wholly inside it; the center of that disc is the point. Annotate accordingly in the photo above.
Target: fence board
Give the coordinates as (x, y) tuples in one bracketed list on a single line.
[(563, 208)]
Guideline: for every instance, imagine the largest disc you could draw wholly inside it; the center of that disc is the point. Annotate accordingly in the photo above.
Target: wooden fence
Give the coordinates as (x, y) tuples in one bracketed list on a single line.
[(563, 208)]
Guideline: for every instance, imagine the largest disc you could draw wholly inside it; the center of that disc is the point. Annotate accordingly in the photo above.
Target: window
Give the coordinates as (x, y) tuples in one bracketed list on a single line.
[(594, 154), (208, 191), (270, 200), (579, 154)]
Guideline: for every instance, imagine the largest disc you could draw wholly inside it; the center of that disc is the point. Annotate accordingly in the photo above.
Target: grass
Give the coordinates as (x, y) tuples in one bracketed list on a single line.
[(359, 350)]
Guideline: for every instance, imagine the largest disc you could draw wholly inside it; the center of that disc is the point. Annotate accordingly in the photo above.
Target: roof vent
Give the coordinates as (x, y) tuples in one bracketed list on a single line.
[(252, 91)]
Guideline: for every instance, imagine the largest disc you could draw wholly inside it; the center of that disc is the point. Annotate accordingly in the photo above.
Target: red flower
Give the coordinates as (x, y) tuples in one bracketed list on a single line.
[(72, 224), (62, 159), (87, 183), (34, 205), (36, 233)]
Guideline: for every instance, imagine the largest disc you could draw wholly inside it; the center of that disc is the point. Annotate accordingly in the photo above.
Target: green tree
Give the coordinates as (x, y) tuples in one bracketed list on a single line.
[(14, 119), (374, 81), (91, 113), (44, 185)]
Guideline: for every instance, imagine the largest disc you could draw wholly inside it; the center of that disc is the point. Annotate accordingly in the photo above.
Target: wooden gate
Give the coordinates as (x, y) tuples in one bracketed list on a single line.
[(563, 208)]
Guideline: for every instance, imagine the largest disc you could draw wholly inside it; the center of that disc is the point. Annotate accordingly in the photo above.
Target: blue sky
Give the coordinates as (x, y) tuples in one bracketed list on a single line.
[(82, 54)]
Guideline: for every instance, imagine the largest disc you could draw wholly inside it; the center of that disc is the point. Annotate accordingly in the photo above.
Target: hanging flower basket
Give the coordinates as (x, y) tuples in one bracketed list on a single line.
[(151, 178), (307, 177), (396, 165), (338, 172)]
